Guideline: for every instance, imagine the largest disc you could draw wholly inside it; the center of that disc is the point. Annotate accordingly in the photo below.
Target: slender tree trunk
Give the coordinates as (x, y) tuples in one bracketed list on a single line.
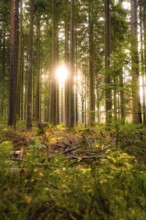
[(19, 77), (91, 67), (108, 93), (54, 87), (115, 102), (13, 63), (37, 90), (30, 60), (76, 75), (3, 70), (71, 75), (122, 101), (66, 62), (136, 107)]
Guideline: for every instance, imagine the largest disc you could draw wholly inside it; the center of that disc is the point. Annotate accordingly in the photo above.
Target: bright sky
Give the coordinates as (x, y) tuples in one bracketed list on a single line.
[(126, 5)]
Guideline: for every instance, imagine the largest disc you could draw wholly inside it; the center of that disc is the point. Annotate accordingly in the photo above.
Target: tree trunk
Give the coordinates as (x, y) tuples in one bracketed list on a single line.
[(30, 60), (71, 71), (91, 67), (3, 70), (66, 62), (108, 93), (144, 73), (13, 63), (19, 77), (37, 89), (54, 85), (122, 101), (136, 107)]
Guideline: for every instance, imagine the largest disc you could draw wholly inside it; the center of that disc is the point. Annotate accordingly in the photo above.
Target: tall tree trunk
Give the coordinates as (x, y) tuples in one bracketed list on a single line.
[(13, 63), (30, 60), (3, 69), (54, 86), (37, 90), (136, 107), (91, 67), (108, 93), (71, 74), (66, 62), (19, 77), (144, 74)]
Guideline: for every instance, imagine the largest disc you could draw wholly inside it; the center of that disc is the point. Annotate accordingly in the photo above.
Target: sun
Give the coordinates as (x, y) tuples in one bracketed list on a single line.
[(61, 74)]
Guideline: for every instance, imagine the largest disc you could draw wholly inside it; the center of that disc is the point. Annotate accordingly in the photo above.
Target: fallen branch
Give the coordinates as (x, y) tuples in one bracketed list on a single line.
[(84, 157), (60, 153), (69, 150)]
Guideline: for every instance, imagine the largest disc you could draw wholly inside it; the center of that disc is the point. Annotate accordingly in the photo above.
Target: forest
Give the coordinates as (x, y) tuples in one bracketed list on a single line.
[(73, 109)]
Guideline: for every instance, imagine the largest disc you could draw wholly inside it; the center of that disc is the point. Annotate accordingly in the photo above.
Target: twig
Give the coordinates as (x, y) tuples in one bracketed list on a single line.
[(69, 150), (20, 160)]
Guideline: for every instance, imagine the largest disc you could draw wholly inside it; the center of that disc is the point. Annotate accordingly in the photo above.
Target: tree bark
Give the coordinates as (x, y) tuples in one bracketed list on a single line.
[(108, 93), (13, 63), (71, 74), (54, 85), (30, 60), (136, 106), (66, 62), (91, 67)]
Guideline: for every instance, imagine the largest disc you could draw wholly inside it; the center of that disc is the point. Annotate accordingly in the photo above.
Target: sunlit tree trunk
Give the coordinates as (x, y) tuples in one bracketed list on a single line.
[(30, 60), (108, 93), (76, 74), (67, 62), (144, 68), (136, 107), (13, 63), (71, 74)]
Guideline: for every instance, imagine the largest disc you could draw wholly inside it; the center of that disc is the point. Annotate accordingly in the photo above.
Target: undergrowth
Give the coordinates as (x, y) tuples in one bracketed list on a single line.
[(42, 186)]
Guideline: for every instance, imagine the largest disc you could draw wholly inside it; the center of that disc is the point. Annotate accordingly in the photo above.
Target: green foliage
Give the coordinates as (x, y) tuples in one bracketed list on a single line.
[(62, 189), (42, 186), (6, 148)]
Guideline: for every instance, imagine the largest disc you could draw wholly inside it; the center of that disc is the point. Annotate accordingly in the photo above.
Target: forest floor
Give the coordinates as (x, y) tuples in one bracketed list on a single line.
[(84, 173)]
